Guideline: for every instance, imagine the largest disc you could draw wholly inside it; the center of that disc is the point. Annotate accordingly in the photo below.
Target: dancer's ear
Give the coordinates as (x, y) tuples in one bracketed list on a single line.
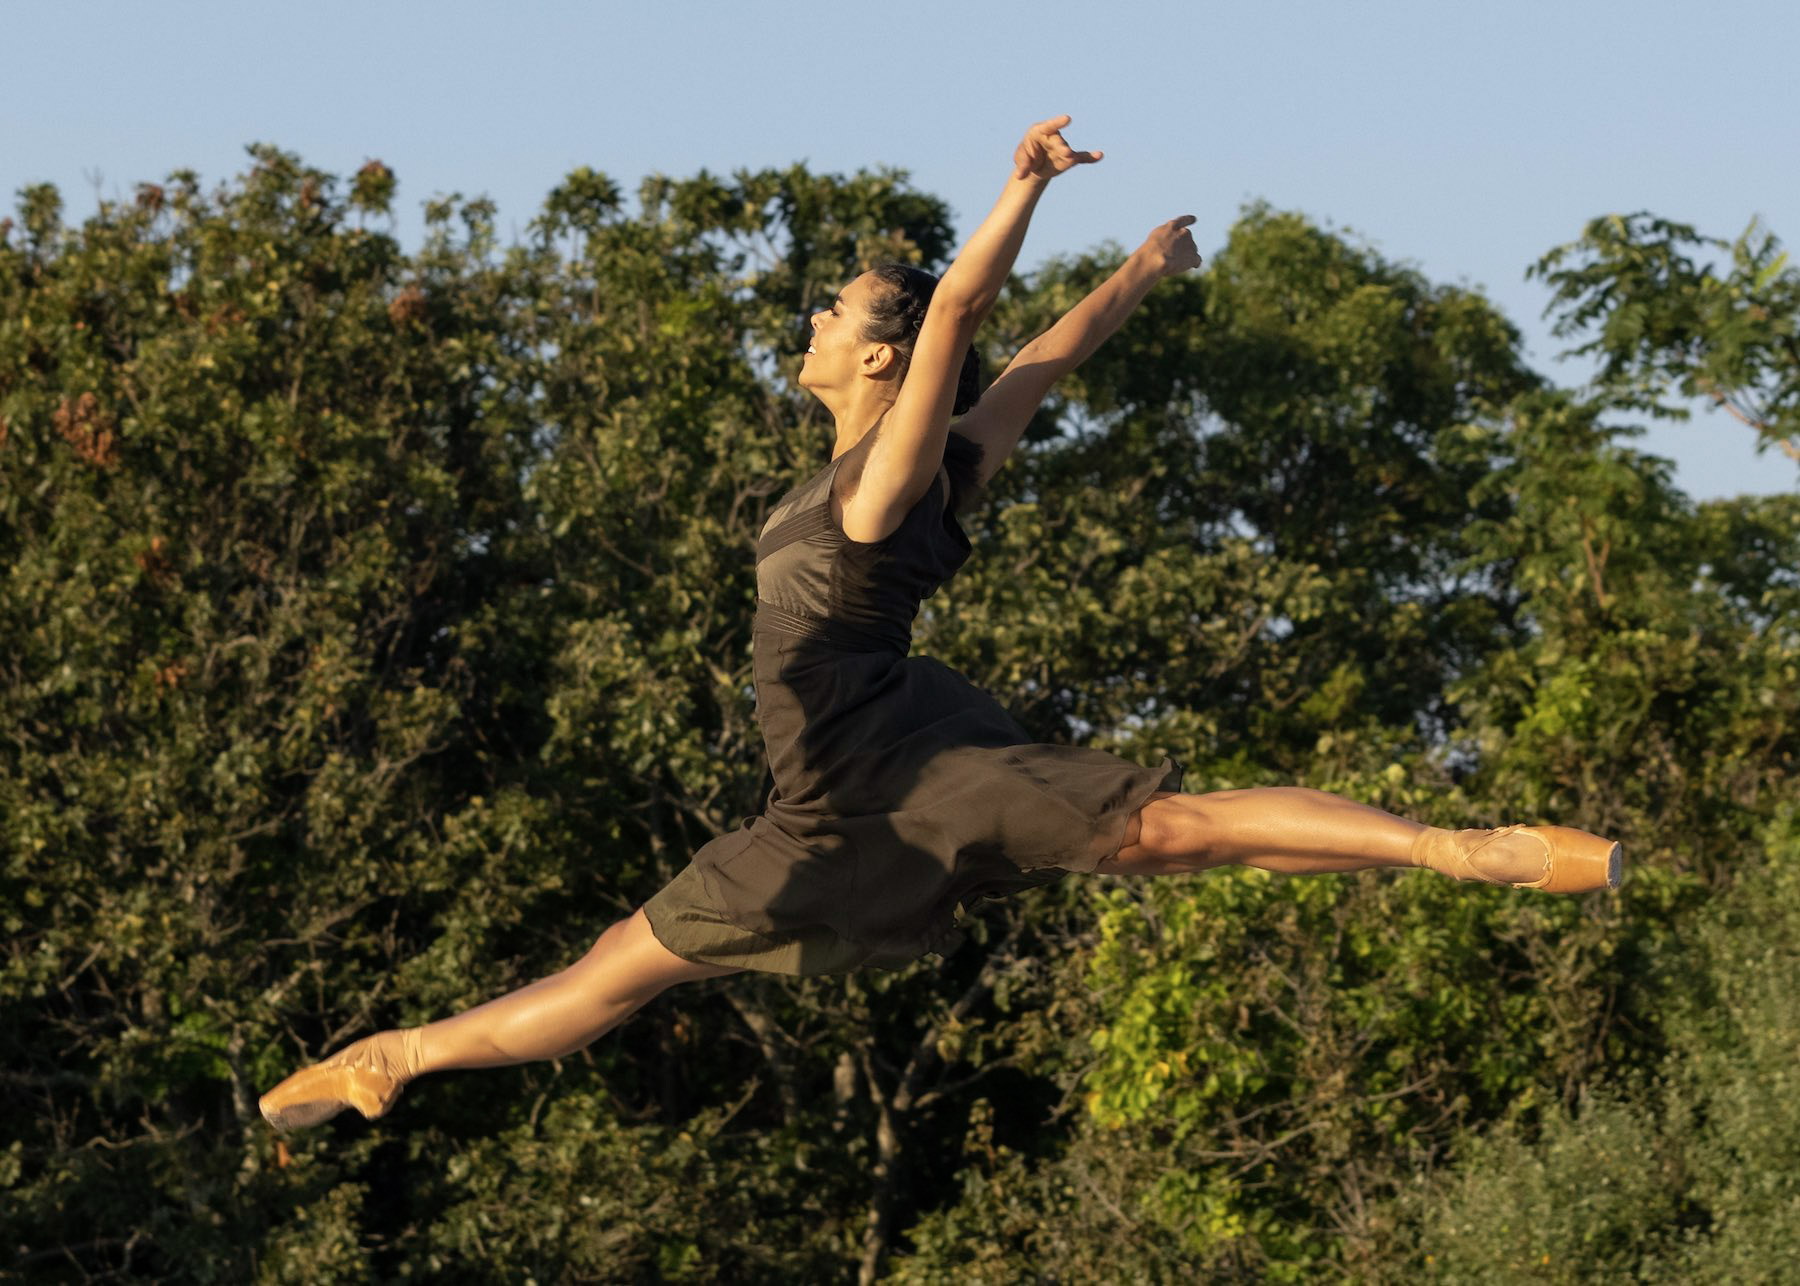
[(879, 359)]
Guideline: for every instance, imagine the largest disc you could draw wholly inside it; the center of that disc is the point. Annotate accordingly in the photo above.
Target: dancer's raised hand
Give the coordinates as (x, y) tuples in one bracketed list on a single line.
[(1044, 153), (1170, 247)]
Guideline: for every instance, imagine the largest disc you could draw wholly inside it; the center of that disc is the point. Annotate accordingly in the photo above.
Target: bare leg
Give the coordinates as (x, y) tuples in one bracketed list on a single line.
[(565, 1012), (547, 1019), (1291, 829), (1298, 831)]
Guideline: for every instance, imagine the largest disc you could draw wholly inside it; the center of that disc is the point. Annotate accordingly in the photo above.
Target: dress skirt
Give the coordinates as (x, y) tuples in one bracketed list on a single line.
[(904, 795)]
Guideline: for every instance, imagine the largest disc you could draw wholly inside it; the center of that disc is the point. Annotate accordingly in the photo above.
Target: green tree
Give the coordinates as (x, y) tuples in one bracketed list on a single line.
[(376, 629), (1684, 1175), (1276, 1060), (1664, 317), (260, 527)]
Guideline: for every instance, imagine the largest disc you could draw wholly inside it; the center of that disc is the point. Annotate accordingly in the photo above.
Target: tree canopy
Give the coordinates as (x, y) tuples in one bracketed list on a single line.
[(375, 630)]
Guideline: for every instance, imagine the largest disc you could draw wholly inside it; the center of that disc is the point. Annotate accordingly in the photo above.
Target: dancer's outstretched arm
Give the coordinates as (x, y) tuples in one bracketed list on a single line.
[(997, 421), (904, 459)]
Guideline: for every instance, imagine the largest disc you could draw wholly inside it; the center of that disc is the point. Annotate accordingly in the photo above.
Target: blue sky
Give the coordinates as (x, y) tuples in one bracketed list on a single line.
[(1465, 139)]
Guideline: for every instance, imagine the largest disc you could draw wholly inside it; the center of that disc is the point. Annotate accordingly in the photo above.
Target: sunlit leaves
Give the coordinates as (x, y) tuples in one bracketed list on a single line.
[(1667, 310)]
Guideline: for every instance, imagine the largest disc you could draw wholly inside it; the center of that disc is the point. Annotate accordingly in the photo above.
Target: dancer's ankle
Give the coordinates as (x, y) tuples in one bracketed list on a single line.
[(398, 1053), (1500, 855), (1434, 849), (395, 1052)]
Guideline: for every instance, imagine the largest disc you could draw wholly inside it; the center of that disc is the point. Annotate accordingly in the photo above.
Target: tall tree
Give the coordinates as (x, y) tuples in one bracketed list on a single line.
[(1664, 316)]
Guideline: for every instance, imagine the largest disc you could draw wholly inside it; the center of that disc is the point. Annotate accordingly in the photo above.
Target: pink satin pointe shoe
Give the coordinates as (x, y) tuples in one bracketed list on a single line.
[(367, 1076), (1551, 859)]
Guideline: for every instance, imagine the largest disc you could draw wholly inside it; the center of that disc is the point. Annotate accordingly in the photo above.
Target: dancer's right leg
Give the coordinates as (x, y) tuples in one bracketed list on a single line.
[(552, 1017), (567, 1011)]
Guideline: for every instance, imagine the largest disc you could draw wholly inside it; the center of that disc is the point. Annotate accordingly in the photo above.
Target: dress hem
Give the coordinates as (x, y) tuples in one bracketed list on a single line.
[(694, 928), (1109, 838)]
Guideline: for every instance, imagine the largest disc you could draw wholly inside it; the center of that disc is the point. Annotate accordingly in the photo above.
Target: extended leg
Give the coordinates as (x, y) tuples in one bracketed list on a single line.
[(547, 1019), (1291, 829), (565, 1012), (1299, 831)]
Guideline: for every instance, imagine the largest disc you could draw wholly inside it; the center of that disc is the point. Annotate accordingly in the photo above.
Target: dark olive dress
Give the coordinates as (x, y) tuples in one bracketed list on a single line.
[(902, 791)]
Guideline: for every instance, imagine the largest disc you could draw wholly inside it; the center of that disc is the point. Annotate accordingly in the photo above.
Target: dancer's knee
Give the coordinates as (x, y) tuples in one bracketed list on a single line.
[(1192, 831), (1167, 837)]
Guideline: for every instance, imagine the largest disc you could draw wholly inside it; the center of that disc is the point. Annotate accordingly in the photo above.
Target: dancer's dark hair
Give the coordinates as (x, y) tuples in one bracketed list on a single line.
[(897, 311)]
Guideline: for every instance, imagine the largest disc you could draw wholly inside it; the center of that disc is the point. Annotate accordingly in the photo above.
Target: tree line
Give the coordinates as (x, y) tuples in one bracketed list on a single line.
[(374, 629)]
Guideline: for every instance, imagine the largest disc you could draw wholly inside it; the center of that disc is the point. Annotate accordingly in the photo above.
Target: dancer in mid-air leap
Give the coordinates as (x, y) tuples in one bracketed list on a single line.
[(901, 790)]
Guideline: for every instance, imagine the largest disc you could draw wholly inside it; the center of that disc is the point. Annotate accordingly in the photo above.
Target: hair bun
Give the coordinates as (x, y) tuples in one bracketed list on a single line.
[(897, 314)]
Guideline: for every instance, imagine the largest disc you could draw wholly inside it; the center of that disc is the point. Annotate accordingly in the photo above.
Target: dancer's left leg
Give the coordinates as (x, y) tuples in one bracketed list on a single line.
[(1291, 829), (1300, 832)]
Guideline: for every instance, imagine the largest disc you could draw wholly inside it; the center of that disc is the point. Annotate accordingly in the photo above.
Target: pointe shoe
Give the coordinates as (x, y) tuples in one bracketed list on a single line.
[(367, 1076), (1550, 859)]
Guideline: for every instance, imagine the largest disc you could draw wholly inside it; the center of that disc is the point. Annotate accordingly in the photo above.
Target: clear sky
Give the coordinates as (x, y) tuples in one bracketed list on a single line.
[(1466, 139)]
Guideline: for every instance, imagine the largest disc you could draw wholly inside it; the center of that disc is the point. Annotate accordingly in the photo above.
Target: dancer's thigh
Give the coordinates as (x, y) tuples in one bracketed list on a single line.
[(634, 962)]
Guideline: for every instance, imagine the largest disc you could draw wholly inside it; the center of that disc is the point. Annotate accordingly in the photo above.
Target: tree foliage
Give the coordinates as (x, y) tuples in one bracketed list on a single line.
[(1664, 321), (376, 630)]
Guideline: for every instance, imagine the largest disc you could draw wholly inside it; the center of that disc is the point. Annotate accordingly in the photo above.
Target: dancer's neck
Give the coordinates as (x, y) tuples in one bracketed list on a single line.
[(856, 416)]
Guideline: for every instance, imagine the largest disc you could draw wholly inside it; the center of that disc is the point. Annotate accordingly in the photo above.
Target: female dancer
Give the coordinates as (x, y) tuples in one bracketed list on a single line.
[(900, 789)]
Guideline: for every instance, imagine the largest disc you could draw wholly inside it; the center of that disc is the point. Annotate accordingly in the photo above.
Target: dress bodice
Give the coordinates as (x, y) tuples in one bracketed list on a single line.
[(813, 580)]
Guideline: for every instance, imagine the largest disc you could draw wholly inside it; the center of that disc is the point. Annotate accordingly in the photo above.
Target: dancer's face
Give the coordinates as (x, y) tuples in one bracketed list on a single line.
[(838, 354)]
